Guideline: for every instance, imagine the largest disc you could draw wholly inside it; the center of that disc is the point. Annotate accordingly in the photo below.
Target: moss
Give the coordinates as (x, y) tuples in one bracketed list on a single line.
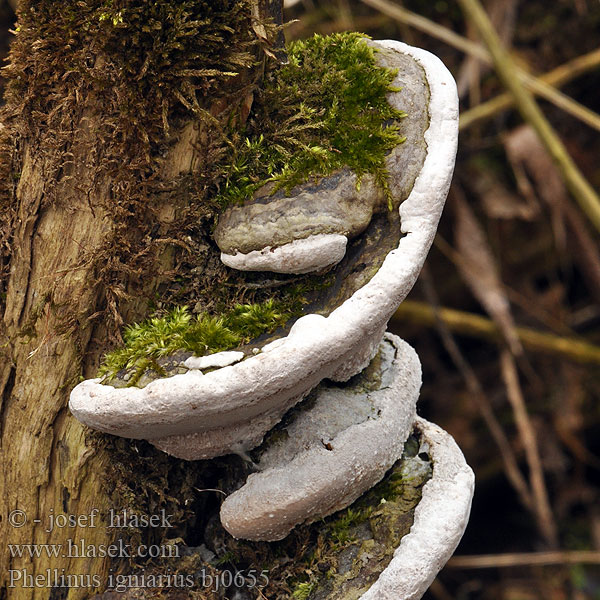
[(98, 93), (302, 591), (162, 336), (339, 529), (324, 110), (156, 61), (130, 76)]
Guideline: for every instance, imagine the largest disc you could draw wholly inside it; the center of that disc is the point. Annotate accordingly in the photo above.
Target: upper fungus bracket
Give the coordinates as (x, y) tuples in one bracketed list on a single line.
[(261, 387), (265, 233), (333, 176)]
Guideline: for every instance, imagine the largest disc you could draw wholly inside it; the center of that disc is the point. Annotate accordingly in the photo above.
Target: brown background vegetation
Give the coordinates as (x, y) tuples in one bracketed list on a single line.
[(506, 315)]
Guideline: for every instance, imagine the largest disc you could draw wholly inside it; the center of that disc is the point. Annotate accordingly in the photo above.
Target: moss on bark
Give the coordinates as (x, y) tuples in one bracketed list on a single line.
[(106, 150)]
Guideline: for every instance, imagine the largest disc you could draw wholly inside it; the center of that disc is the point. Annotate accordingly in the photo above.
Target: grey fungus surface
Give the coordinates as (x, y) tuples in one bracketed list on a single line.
[(397, 550), (439, 523), (333, 451), (331, 209), (332, 205), (234, 406)]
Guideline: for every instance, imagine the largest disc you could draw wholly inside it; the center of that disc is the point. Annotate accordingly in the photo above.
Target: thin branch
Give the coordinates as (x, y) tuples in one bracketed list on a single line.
[(557, 77), (574, 108), (524, 559), (511, 468), (423, 24), (543, 512), (474, 49), (473, 325)]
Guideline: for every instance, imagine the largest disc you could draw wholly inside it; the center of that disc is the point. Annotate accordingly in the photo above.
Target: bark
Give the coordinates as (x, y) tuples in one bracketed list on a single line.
[(48, 342)]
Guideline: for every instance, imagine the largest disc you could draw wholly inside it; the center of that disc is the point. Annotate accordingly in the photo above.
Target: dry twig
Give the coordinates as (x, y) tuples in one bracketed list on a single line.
[(474, 49), (530, 160), (524, 559), (478, 269), (542, 510), (514, 475), (555, 78), (480, 327)]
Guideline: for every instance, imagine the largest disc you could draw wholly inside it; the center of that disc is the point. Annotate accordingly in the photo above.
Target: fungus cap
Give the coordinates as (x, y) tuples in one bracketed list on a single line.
[(440, 520), (239, 403), (333, 452)]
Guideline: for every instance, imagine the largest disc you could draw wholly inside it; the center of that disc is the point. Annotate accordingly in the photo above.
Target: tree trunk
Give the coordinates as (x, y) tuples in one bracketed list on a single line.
[(58, 230)]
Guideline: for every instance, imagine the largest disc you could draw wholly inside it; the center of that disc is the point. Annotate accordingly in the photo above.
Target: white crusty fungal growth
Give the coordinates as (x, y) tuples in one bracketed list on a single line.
[(232, 407), (313, 253), (440, 520), (331, 453), (219, 359)]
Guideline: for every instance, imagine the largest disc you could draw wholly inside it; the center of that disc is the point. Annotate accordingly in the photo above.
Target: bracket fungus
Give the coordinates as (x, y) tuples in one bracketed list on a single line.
[(333, 452), (345, 441)]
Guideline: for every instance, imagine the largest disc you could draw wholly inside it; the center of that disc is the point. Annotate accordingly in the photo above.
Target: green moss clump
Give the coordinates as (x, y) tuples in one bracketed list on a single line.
[(141, 65), (302, 591), (158, 337), (324, 110)]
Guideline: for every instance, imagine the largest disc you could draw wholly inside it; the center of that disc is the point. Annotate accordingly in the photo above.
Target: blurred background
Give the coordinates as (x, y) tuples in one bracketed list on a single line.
[(506, 314)]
